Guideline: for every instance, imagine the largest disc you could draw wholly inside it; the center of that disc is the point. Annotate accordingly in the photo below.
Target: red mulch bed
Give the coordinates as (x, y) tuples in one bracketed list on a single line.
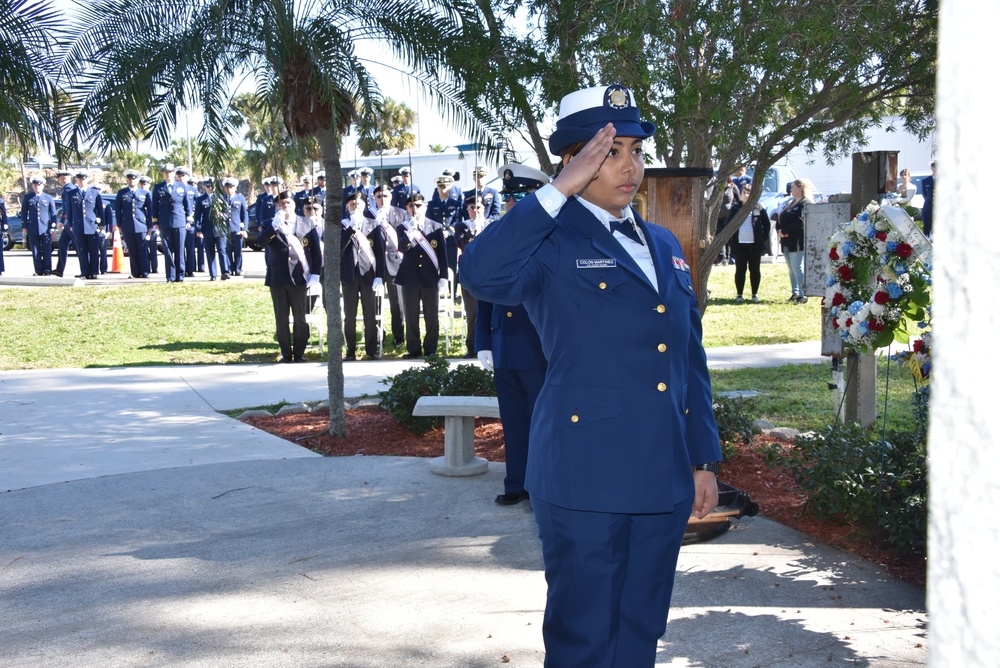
[(372, 431)]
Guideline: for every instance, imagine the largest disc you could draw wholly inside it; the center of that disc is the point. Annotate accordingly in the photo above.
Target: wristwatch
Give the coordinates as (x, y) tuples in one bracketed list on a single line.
[(710, 466)]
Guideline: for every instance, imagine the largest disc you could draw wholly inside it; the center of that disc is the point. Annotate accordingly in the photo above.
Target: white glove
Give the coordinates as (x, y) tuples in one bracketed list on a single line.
[(442, 284), (486, 359), (377, 285)]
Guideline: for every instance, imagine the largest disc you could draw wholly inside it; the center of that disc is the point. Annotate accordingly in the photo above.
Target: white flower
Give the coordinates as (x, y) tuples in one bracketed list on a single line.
[(877, 309)]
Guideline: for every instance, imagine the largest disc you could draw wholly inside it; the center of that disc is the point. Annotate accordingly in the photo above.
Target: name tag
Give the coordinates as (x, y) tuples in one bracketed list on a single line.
[(600, 263), (681, 265)]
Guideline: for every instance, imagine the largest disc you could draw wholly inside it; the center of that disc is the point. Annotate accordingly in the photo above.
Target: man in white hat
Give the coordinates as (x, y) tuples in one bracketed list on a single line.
[(38, 211), (624, 444), (133, 207), (302, 195), (67, 233), (402, 192), (490, 197)]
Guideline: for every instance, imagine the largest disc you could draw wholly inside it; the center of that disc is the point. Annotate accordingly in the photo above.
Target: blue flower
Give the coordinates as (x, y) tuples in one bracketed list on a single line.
[(890, 246), (922, 325), (863, 216), (894, 290), (863, 327), (855, 307), (900, 268), (870, 232), (849, 247), (830, 281)]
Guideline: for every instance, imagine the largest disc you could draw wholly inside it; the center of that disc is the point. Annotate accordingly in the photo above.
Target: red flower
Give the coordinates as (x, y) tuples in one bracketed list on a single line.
[(845, 273), (881, 236), (904, 250), (850, 321), (833, 254), (836, 323), (918, 346), (875, 325), (881, 297), (838, 299)]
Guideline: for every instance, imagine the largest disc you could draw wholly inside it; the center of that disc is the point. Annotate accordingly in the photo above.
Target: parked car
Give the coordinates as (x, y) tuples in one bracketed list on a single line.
[(15, 233)]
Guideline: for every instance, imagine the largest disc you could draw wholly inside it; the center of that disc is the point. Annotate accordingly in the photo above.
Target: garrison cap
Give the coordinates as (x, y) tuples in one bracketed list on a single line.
[(583, 113)]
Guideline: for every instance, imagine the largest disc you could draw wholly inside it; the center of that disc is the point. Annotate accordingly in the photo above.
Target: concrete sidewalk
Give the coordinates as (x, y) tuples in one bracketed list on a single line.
[(144, 528)]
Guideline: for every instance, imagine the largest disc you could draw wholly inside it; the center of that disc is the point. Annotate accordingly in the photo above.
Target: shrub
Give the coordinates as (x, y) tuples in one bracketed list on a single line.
[(735, 424), (435, 378), (877, 485)]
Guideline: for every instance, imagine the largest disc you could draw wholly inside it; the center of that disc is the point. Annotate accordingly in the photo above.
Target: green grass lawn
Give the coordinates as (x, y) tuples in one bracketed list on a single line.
[(232, 323)]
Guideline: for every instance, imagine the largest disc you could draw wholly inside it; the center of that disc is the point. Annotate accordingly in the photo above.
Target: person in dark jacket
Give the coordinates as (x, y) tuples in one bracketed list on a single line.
[(294, 263), (748, 245), (791, 230)]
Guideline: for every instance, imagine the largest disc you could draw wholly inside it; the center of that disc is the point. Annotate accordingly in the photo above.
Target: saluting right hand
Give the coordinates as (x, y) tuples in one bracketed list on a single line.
[(584, 166)]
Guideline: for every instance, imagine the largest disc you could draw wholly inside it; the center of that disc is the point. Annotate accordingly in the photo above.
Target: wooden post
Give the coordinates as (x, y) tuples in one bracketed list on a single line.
[(673, 198), (874, 175)]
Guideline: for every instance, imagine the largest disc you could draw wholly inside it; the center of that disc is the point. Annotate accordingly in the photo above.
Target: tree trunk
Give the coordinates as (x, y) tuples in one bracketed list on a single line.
[(332, 209)]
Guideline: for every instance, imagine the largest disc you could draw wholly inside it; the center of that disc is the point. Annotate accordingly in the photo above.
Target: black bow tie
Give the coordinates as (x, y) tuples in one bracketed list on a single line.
[(627, 227)]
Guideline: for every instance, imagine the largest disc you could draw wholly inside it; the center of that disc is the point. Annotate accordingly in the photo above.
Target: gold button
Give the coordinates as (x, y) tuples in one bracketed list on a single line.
[(661, 308), (662, 387), (575, 418), (602, 285), (662, 347), (691, 288), (510, 314), (685, 411)]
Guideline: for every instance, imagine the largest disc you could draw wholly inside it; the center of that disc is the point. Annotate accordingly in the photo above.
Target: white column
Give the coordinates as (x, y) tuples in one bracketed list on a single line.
[(964, 566)]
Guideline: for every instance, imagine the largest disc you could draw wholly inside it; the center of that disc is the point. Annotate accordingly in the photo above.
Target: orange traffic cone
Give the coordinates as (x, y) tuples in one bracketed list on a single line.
[(118, 258)]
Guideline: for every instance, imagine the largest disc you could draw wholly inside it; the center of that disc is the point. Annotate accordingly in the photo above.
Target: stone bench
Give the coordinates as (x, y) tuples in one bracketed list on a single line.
[(460, 415)]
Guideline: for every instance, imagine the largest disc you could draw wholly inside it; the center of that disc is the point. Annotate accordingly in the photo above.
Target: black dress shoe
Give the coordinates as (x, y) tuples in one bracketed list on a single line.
[(225, 277), (57, 273), (189, 274), (411, 356), (350, 357), (284, 360), (212, 278), (511, 498), (299, 359)]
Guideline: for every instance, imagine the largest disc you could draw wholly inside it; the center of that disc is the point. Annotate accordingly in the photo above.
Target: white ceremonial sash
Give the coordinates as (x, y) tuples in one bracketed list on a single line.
[(418, 237)]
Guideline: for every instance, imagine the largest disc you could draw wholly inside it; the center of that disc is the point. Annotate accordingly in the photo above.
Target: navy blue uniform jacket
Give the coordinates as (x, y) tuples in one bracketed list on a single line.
[(626, 408)]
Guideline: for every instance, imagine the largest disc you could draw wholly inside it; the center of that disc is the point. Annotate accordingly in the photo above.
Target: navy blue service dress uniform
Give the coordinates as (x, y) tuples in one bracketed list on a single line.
[(133, 209), (175, 218), (4, 231), (92, 217), (239, 221), (68, 234), (39, 214), (625, 412), (214, 240)]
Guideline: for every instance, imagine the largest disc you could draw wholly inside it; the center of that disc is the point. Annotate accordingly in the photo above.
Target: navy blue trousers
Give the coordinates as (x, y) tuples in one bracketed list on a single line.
[(610, 577), (517, 390)]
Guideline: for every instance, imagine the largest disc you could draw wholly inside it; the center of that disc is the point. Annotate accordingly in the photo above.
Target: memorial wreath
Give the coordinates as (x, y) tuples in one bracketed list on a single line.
[(876, 283)]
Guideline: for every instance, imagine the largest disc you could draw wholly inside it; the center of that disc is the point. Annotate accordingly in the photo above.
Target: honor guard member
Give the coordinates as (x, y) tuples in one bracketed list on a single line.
[(214, 234), (446, 207), (175, 219), (350, 190), (73, 210), (302, 195), (295, 262), (624, 443), (190, 245), (132, 213), (86, 213), (401, 193), (507, 344), (38, 210), (490, 197), (465, 231), (152, 234), (158, 193), (422, 274), (239, 220), (366, 186), (196, 260), (67, 235), (455, 188), (386, 220), (362, 268)]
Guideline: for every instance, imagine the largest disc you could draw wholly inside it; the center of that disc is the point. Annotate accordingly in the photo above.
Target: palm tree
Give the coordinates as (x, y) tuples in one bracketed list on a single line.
[(393, 129), (136, 62), (28, 34)]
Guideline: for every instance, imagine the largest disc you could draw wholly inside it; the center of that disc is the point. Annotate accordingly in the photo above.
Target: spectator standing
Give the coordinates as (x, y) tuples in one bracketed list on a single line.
[(4, 230), (791, 230), (730, 201), (507, 344), (927, 190), (904, 189), (749, 245)]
